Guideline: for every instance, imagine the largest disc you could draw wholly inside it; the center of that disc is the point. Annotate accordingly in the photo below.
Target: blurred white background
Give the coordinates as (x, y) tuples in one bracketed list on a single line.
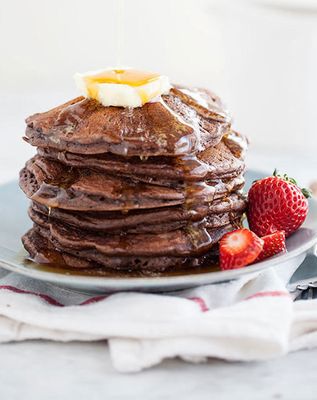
[(260, 56)]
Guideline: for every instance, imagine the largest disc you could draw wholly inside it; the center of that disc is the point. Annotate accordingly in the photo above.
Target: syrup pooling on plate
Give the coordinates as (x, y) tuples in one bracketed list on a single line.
[(53, 261)]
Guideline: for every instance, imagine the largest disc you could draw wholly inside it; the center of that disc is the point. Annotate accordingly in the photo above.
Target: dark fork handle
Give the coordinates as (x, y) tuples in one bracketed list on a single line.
[(307, 293)]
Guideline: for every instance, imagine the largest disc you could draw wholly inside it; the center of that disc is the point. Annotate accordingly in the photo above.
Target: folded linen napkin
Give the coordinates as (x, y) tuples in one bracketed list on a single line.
[(251, 318)]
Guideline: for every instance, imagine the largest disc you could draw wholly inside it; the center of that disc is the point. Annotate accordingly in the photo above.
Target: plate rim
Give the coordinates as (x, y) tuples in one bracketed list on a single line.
[(126, 282)]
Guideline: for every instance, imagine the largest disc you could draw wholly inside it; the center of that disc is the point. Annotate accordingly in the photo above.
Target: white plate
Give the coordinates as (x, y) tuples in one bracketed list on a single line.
[(14, 223)]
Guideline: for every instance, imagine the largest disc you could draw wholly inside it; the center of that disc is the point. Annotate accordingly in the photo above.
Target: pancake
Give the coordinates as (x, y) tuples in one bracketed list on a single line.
[(43, 251), (184, 122), (223, 161), (211, 221), (53, 252), (55, 185), (193, 239), (168, 218)]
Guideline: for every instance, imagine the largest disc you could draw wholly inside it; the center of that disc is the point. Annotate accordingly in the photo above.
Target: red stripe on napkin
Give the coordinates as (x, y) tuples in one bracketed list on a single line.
[(45, 297), (274, 293), (94, 299), (50, 299), (200, 302)]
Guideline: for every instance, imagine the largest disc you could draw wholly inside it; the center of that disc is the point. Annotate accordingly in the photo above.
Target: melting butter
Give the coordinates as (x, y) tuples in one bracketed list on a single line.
[(122, 87)]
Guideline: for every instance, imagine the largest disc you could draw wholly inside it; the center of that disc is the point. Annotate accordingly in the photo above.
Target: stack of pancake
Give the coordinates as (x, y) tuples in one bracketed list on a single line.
[(146, 189)]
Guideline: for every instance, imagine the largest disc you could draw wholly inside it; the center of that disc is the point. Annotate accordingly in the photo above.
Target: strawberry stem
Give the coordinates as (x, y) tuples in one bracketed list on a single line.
[(306, 192)]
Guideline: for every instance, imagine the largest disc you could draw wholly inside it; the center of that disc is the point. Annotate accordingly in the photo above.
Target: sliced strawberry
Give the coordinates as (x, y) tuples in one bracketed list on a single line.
[(273, 244), (239, 248)]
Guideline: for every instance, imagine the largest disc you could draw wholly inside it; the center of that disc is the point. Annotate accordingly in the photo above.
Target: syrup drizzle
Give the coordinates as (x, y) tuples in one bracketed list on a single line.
[(194, 192), (120, 30), (131, 77)]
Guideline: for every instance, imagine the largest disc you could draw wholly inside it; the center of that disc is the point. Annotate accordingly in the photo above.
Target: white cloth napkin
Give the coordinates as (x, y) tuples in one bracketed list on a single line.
[(252, 318)]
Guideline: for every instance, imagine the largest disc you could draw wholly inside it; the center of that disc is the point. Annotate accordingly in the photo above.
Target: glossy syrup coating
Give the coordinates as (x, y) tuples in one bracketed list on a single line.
[(175, 125), (147, 190)]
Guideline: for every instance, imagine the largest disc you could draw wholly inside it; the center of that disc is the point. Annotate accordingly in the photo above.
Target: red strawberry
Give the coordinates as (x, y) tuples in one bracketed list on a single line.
[(273, 244), (276, 203), (239, 248)]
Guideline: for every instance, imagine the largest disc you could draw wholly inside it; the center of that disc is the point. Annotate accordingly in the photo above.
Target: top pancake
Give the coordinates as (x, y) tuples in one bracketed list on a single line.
[(185, 121)]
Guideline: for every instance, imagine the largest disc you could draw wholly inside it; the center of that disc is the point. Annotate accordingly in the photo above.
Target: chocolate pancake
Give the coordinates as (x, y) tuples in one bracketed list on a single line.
[(43, 251), (223, 161), (211, 221), (194, 239), (184, 122), (218, 213), (55, 185)]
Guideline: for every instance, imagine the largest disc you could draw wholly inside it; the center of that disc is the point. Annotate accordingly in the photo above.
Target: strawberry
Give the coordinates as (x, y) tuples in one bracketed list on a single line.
[(276, 203), (273, 244), (239, 248)]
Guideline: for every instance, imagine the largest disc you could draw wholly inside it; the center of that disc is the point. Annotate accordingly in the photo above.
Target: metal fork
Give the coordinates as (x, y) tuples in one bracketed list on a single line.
[(305, 289), (306, 292)]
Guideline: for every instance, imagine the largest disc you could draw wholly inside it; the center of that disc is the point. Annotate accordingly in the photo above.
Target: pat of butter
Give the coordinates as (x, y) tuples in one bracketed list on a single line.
[(122, 87)]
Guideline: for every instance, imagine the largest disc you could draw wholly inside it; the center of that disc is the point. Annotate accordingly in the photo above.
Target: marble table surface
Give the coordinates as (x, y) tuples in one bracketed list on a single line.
[(48, 371), (40, 370)]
